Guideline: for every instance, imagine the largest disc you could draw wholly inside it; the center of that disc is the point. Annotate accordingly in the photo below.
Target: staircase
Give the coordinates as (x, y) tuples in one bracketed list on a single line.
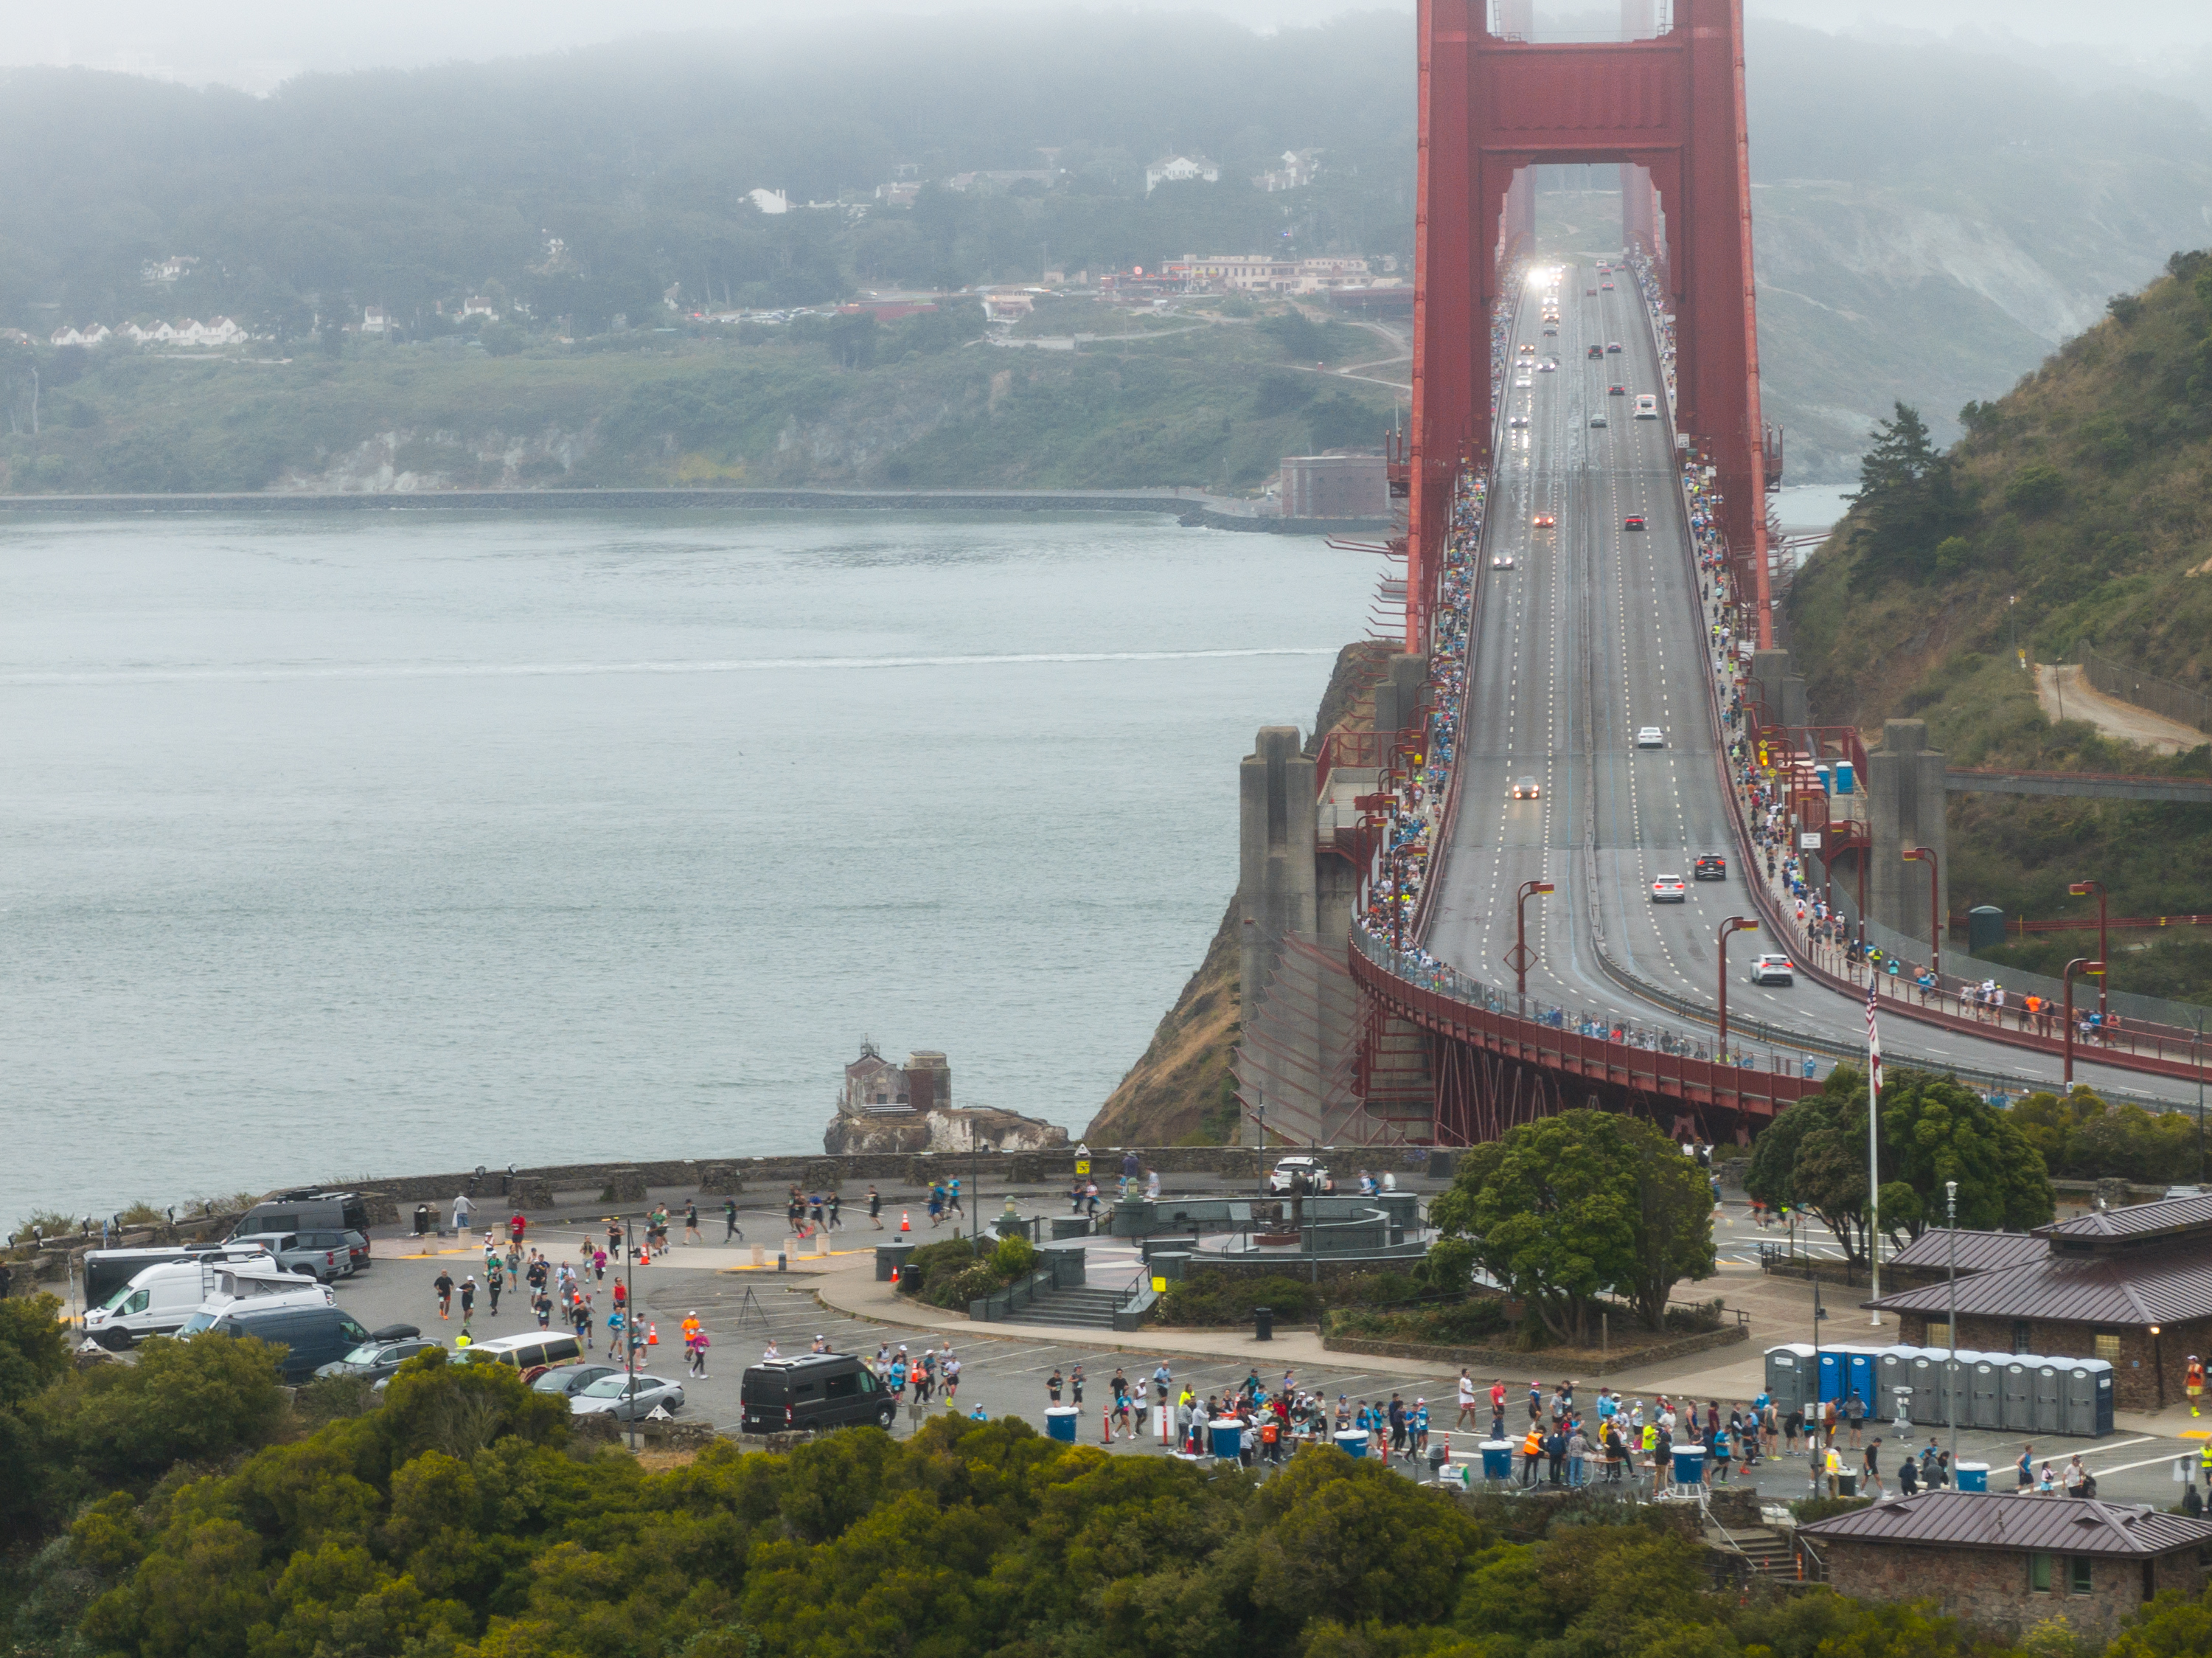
[(1086, 1306), (1766, 1553)]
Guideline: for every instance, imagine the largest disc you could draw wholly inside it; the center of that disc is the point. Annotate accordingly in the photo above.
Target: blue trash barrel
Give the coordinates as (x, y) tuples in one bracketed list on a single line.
[(1059, 1423), (1228, 1437), (1973, 1475), (1498, 1459), (1352, 1442), (1689, 1464)]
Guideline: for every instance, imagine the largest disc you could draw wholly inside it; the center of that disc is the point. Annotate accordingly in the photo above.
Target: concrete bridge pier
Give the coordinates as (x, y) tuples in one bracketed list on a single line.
[(1905, 791), (1398, 697), (1277, 896)]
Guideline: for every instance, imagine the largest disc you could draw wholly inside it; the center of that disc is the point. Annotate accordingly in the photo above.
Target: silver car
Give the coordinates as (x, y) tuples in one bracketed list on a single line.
[(626, 1398)]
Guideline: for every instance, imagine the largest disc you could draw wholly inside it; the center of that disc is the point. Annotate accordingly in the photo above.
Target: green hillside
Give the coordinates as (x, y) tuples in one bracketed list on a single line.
[(2079, 506), (841, 400)]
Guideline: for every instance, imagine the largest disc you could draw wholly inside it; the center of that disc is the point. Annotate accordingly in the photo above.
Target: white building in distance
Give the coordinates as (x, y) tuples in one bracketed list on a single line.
[(1182, 169)]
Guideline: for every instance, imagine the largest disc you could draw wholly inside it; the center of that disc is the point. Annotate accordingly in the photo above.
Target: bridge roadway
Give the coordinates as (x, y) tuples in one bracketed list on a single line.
[(1599, 630)]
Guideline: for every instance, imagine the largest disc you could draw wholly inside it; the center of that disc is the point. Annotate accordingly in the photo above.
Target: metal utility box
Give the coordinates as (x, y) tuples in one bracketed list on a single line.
[(2051, 1396), (2089, 1398), (1986, 1388), (1790, 1377), (2016, 1400)]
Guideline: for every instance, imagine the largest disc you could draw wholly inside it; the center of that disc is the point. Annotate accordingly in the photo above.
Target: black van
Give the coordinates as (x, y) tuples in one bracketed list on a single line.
[(813, 1390), (306, 1210), (315, 1335)]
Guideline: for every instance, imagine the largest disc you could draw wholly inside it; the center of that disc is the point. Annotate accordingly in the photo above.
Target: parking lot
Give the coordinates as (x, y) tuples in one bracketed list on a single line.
[(1005, 1368)]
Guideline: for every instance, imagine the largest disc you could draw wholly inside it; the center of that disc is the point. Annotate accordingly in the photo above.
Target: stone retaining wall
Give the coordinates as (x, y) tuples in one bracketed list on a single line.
[(1504, 1361)]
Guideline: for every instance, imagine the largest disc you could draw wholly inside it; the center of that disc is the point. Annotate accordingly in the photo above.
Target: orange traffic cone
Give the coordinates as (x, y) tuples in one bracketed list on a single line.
[(905, 1224), (653, 1335)]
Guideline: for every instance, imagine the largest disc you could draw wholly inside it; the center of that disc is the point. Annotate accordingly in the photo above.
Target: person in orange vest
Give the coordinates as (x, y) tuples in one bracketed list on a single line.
[(2195, 1384), (1532, 1453)]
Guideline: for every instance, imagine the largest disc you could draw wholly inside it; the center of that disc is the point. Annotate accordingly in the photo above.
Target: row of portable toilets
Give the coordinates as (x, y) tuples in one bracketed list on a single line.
[(2013, 1393)]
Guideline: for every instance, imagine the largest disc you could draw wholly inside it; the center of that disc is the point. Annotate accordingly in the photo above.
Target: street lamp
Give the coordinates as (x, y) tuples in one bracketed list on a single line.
[(2197, 1056), (2095, 969), (1733, 924), (2082, 889), (1927, 854), (1951, 1219), (1521, 957)]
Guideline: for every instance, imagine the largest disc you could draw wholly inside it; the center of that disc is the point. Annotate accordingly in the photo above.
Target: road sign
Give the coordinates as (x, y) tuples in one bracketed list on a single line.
[(1520, 959), (1083, 1166), (1808, 840)]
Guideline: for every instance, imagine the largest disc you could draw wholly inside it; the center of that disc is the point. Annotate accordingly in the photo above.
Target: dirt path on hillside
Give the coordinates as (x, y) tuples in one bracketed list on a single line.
[(2067, 694)]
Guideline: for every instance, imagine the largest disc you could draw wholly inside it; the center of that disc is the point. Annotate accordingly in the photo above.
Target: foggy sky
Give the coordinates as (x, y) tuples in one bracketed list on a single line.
[(257, 44)]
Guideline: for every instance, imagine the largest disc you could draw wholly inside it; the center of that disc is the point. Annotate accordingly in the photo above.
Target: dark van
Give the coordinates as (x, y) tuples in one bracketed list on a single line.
[(308, 1209), (314, 1336), (809, 1392)]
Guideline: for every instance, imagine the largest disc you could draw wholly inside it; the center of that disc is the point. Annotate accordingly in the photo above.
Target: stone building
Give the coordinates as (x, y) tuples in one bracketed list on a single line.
[(875, 1086), (2008, 1563), (908, 1108), (2132, 1286)]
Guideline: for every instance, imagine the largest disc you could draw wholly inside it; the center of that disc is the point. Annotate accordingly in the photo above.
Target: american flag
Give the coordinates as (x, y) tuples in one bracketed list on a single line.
[(1873, 1036)]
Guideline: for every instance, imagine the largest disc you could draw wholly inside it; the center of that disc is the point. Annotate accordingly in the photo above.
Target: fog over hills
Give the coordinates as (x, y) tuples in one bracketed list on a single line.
[(1933, 215)]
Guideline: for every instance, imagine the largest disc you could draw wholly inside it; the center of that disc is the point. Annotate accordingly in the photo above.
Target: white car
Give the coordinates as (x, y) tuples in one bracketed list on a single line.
[(1597, 420), (1294, 1174), (1650, 737), (1669, 889), (1503, 561), (626, 1398), (1771, 970)]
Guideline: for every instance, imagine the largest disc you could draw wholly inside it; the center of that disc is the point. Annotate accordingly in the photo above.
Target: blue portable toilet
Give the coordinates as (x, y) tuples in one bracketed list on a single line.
[(2016, 1397), (2089, 1398), (1985, 1390), (2051, 1396), (1860, 1365), (1831, 1376), (1790, 1376), (1844, 777)]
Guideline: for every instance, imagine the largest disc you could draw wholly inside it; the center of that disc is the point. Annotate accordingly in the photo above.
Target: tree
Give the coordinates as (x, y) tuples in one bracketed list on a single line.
[(1907, 500), (1569, 1208), (34, 1347), (1935, 1129), (1803, 1158)]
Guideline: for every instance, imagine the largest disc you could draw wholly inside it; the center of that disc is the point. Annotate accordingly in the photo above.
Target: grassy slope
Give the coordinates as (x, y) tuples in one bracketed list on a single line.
[(2110, 561), (1184, 409)]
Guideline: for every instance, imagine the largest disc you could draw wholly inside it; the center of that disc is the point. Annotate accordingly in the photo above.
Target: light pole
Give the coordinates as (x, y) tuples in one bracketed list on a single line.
[(1733, 924), (1521, 957), (1951, 1217), (629, 1324), (2082, 889), (1927, 854), (2082, 964), (2196, 1054)]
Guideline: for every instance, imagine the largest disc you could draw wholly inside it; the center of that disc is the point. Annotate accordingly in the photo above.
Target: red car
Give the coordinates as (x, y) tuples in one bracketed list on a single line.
[(1544, 521)]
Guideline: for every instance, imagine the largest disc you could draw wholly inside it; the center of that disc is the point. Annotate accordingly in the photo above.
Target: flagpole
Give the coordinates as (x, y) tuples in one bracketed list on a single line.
[(1874, 1151)]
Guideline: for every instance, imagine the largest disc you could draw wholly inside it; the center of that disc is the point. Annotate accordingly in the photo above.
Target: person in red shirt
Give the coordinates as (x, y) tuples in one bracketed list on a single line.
[(515, 1226)]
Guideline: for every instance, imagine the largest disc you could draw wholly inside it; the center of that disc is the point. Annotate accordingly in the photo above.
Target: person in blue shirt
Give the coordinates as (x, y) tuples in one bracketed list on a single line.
[(1718, 1446), (1421, 1425)]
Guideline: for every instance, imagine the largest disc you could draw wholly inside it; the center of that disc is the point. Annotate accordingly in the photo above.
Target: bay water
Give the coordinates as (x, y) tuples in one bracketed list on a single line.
[(339, 845)]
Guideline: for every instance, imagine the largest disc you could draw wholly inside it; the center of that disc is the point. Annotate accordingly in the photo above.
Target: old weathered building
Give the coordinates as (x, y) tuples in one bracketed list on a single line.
[(2132, 1286), (2008, 1563)]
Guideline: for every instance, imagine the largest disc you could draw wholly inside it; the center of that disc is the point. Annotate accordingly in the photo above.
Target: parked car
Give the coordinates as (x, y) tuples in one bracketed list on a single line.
[(161, 1297), (1306, 1174), (809, 1392), (1771, 970), (531, 1352), (310, 1209), (106, 1270), (1669, 889), (570, 1379), (627, 1398), (311, 1336), (381, 1355), (1711, 867), (324, 1255)]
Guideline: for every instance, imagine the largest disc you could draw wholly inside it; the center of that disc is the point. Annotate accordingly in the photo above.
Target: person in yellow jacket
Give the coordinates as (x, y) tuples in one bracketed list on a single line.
[(1835, 1470)]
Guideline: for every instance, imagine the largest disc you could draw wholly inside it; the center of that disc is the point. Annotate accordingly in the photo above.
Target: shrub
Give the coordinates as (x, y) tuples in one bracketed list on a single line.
[(1225, 1298), (977, 1283), (2035, 489), (933, 1266), (1014, 1257)]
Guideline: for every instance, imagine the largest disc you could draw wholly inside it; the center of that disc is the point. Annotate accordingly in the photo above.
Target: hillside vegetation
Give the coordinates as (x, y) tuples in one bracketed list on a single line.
[(2078, 507), (827, 400)]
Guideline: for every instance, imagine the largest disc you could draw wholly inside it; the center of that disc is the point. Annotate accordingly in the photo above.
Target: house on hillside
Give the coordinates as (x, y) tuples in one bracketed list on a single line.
[(475, 305), (1297, 171), (97, 334), (375, 321), (768, 201), (2007, 1564), (1182, 169)]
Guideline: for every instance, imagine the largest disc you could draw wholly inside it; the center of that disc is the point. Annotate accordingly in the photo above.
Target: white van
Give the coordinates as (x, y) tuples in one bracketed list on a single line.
[(158, 1300), (1647, 406)]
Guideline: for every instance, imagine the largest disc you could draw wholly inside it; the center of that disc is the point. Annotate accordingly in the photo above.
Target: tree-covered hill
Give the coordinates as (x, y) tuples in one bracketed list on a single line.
[(2077, 507)]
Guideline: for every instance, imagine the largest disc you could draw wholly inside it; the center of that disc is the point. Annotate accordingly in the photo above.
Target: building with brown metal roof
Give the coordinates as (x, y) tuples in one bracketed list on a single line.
[(2008, 1563), (2132, 1286)]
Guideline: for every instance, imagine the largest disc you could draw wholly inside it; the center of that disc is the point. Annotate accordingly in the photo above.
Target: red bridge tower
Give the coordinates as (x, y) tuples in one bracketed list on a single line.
[(1670, 108)]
